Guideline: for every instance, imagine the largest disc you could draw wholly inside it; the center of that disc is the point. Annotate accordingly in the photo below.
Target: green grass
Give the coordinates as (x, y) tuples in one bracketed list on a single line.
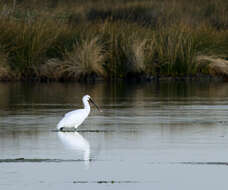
[(82, 40)]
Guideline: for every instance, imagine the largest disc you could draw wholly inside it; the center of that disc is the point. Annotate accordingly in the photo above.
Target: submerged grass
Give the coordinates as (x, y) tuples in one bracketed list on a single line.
[(75, 40)]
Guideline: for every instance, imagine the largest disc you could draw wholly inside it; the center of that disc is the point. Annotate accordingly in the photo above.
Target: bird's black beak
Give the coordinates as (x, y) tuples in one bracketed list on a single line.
[(95, 105)]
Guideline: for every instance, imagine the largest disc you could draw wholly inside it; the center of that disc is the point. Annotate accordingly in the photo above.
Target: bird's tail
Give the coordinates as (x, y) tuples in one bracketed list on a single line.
[(60, 125)]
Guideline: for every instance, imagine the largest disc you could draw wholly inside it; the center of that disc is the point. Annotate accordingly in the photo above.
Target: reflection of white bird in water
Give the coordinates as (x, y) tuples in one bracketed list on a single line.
[(75, 141), (75, 118)]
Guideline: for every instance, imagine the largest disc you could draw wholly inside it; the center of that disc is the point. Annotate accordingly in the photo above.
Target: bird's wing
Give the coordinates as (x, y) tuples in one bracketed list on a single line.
[(72, 112), (72, 118)]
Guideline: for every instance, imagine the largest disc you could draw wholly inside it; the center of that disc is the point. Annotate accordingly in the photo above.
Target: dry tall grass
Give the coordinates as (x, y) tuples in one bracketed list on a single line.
[(85, 59), (176, 51), (74, 39), (27, 43)]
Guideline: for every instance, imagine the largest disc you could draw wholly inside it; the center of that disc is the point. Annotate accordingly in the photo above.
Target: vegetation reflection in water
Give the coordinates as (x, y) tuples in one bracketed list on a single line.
[(29, 95)]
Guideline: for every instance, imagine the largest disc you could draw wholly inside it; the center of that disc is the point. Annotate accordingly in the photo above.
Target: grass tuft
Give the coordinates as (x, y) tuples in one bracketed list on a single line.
[(84, 61)]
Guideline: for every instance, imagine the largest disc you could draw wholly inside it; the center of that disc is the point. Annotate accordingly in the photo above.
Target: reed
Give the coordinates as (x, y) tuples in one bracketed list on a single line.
[(78, 40), (28, 43), (174, 51), (125, 46)]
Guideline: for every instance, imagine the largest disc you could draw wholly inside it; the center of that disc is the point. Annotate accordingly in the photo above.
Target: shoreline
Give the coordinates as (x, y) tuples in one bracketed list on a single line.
[(140, 79)]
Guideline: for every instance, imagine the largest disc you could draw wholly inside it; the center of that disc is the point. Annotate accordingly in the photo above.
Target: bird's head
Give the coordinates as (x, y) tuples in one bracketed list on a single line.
[(87, 98)]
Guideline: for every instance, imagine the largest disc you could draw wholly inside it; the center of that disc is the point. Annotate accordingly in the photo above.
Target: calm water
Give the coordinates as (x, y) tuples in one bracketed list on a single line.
[(170, 136)]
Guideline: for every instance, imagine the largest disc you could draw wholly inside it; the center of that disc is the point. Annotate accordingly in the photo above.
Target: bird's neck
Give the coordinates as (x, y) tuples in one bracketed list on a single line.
[(86, 105)]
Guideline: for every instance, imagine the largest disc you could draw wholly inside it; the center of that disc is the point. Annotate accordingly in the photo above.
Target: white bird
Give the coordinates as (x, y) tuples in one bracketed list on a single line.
[(75, 118)]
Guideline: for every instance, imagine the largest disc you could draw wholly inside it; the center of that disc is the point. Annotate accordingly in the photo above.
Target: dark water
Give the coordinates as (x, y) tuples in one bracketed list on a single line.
[(162, 136)]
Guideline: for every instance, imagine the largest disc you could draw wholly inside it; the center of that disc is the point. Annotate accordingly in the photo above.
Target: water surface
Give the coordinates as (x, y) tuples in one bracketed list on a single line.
[(160, 136)]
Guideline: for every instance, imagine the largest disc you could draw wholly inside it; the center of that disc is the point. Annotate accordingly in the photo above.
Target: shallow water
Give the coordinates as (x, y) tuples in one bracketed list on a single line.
[(160, 136)]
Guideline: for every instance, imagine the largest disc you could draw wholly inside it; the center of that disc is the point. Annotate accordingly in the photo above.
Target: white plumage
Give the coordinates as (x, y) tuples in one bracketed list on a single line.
[(76, 117)]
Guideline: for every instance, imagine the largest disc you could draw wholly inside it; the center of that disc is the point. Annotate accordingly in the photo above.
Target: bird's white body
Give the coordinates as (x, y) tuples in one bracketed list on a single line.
[(76, 117)]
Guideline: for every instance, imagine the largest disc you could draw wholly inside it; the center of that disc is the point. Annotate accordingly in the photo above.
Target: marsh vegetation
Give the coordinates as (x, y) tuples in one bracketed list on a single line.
[(131, 39)]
